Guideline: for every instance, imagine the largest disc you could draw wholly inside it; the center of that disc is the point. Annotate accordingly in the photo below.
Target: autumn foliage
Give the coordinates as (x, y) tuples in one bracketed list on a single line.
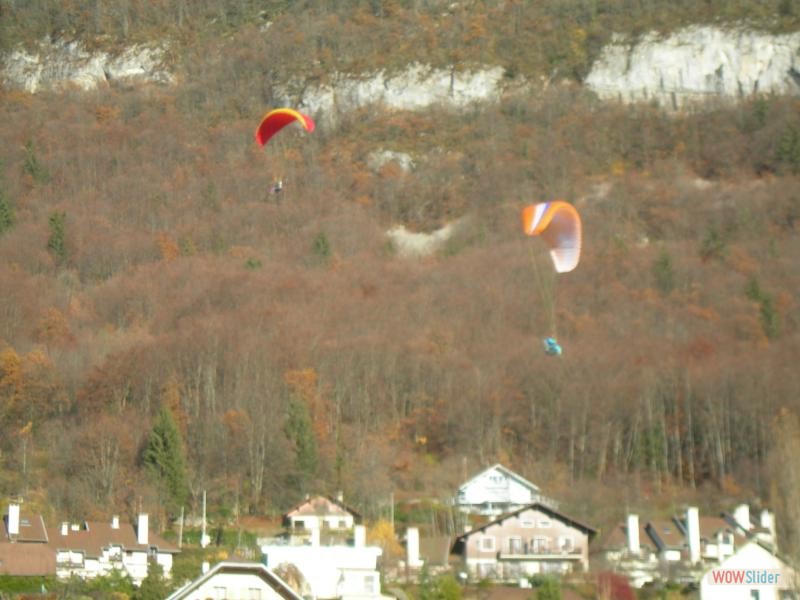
[(275, 328)]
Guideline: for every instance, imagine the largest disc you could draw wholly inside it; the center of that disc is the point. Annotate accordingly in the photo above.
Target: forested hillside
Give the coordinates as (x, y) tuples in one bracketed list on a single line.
[(152, 290)]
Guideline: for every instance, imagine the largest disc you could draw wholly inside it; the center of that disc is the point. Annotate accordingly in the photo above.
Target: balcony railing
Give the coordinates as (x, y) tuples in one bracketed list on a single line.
[(528, 554)]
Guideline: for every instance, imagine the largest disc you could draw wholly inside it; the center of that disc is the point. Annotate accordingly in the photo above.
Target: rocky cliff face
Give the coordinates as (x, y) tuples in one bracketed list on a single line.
[(696, 64), (415, 88), (693, 64), (59, 65)]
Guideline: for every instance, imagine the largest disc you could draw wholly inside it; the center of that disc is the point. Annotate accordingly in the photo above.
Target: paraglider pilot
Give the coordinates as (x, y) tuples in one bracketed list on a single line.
[(551, 346)]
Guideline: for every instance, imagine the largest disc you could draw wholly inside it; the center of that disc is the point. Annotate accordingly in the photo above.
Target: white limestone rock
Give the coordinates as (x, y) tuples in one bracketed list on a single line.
[(415, 88), (63, 64), (695, 64), (411, 244), (379, 158)]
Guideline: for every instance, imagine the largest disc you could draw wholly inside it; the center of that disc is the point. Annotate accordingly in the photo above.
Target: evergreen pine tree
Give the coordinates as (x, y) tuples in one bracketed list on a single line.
[(164, 459), (664, 273), (154, 586), (33, 167), (55, 244), (6, 213), (299, 430), (322, 248)]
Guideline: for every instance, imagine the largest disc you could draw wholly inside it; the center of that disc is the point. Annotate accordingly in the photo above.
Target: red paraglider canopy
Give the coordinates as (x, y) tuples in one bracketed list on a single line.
[(277, 119)]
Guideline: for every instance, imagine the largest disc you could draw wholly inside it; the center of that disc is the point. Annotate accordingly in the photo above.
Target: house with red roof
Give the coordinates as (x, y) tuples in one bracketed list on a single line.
[(88, 549), (24, 547), (95, 548), (321, 513), (681, 547)]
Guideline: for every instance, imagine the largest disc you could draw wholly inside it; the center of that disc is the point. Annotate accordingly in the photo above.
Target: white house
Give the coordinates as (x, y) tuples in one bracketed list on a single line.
[(678, 549), (758, 575), (240, 580), (91, 549), (336, 571), (497, 490), (762, 530), (321, 512)]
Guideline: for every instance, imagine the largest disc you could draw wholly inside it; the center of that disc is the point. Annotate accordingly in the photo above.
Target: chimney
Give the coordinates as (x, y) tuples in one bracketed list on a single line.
[(359, 536), (315, 537), (13, 520), (765, 519), (64, 528), (204, 568), (693, 533), (633, 534), (412, 548), (742, 516), (141, 530), (115, 522), (340, 497)]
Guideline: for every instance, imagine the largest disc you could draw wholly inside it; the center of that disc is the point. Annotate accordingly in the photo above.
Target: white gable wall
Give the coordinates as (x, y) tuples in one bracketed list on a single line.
[(494, 486), (234, 585), (750, 557), (326, 567)]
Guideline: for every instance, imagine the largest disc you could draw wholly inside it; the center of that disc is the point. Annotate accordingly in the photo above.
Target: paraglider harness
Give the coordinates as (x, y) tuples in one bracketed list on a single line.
[(551, 346)]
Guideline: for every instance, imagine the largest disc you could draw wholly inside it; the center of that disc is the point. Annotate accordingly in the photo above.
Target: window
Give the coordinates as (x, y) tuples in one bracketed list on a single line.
[(544, 523), (565, 543), (486, 571), (220, 593), (253, 594), (515, 545), (486, 544), (540, 545), (369, 584), (527, 522), (553, 567)]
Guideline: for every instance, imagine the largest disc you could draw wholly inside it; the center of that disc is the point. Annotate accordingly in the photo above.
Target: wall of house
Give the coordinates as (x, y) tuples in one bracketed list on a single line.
[(322, 522), (72, 562), (136, 564), (496, 487), (323, 566), (359, 583), (532, 538), (752, 557), (165, 560), (671, 555)]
